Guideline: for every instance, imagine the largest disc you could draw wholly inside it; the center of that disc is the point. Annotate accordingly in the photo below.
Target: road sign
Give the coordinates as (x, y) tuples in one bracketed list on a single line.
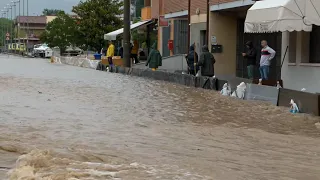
[(7, 38), (7, 35)]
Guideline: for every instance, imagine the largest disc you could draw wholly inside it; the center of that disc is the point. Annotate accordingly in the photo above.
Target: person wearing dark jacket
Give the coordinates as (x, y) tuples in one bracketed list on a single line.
[(154, 58), (250, 55), (206, 62), (192, 58)]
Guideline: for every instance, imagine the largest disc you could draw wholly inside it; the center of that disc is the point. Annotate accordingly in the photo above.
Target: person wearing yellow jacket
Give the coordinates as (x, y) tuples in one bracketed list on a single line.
[(110, 53)]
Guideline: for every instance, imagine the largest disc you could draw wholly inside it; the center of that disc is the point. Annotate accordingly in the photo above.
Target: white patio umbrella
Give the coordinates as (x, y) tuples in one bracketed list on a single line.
[(282, 15)]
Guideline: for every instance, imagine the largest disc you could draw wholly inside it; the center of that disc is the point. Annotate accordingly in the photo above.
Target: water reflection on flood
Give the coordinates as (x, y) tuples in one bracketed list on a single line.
[(62, 122)]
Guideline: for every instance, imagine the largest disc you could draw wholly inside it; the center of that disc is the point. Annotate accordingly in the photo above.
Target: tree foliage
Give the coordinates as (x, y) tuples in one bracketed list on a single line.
[(92, 19), (4, 25), (62, 32), (51, 12), (96, 18)]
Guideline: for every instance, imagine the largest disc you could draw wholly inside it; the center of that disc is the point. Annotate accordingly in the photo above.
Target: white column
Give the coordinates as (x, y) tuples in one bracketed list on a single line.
[(160, 40), (284, 43)]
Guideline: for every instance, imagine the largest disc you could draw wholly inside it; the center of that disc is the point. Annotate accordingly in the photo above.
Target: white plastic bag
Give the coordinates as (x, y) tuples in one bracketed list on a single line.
[(198, 73)]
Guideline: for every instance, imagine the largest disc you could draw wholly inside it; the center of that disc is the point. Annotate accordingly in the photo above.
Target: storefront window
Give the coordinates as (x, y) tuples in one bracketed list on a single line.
[(292, 47), (315, 45)]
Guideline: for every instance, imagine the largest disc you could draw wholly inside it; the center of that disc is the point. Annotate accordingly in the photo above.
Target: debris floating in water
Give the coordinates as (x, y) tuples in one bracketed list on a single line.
[(317, 125)]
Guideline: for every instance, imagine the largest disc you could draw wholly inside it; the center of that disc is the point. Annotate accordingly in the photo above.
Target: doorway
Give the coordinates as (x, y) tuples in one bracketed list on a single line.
[(274, 41), (202, 39)]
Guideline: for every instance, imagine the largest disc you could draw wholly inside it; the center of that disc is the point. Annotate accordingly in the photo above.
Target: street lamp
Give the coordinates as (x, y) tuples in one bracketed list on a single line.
[(9, 7), (23, 24), (14, 7), (6, 10), (18, 29), (2, 28)]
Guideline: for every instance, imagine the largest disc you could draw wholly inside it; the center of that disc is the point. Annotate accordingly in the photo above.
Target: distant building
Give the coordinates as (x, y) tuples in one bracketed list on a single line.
[(50, 18), (29, 28)]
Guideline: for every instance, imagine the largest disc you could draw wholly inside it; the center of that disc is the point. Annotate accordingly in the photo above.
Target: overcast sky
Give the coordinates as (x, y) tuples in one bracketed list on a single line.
[(37, 6)]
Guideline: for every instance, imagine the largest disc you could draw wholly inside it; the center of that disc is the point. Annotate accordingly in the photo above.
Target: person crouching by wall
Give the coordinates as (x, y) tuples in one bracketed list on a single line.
[(110, 54), (154, 58), (206, 62)]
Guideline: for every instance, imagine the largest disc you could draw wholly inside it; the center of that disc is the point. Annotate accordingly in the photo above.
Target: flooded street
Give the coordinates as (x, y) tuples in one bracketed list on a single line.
[(62, 122)]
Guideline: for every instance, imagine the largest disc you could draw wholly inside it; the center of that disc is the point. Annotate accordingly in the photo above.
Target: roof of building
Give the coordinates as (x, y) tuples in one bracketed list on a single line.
[(32, 19)]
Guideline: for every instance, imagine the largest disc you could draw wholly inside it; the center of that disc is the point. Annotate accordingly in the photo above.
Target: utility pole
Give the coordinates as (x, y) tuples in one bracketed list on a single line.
[(18, 25), (189, 23), (126, 33), (7, 25), (28, 31), (208, 22), (2, 30), (14, 35), (23, 25), (2, 25), (10, 8)]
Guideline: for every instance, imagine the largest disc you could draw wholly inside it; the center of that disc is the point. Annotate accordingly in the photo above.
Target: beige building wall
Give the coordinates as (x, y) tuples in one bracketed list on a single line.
[(224, 28), (198, 18), (160, 40), (198, 24), (50, 18)]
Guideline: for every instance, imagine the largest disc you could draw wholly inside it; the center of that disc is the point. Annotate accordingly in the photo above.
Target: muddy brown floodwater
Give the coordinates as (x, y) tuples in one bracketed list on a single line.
[(61, 122)]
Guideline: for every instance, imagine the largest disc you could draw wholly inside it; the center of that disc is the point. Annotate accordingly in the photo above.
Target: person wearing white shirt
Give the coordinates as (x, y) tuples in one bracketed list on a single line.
[(267, 54)]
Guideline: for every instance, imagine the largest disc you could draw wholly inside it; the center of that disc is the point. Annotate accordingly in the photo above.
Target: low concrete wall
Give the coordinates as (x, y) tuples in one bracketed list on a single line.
[(170, 64), (307, 102), (183, 79), (77, 61), (262, 93)]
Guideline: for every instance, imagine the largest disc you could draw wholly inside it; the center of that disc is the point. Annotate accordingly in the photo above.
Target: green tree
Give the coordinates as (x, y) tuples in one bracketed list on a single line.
[(96, 18), (62, 32), (51, 12), (4, 25)]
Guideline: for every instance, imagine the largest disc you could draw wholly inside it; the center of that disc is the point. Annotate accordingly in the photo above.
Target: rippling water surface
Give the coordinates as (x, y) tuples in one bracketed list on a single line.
[(61, 122)]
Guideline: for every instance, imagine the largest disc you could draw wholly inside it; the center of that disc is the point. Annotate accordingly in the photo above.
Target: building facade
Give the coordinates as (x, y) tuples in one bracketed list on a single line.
[(227, 29), (29, 28), (301, 67), (298, 67)]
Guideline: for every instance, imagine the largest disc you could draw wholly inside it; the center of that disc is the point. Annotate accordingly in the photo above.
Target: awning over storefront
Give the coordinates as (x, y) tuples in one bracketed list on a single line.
[(113, 35), (282, 15)]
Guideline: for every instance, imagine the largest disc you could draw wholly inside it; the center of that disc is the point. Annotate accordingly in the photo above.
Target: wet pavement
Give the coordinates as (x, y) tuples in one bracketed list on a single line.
[(62, 122)]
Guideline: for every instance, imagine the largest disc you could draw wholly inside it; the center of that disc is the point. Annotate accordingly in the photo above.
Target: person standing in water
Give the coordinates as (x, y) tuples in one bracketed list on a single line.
[(251, 56), (206, 62), (192, 58), (267, 54), (134, 52), (154, 58), (110, 53)]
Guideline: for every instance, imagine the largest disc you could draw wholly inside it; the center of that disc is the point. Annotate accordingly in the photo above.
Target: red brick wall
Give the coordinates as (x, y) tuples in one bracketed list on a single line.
[(155, 9), (171, 6), (201, 4)]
